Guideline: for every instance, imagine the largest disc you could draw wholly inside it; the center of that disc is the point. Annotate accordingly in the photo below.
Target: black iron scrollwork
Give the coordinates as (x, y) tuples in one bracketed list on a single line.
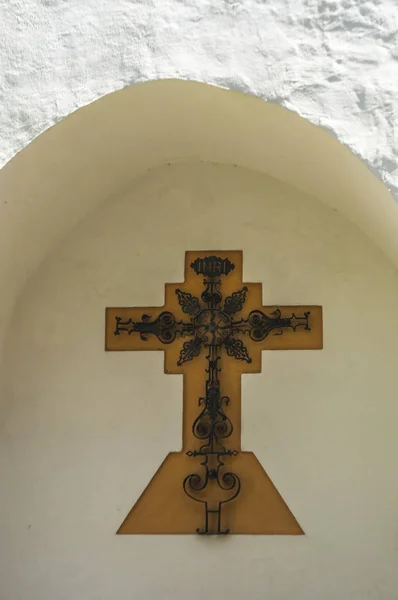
[(212, 427), (190, 304), (259, 325), (212, 327), (189, 350), (165, 327), (237, 349), (235, 302)]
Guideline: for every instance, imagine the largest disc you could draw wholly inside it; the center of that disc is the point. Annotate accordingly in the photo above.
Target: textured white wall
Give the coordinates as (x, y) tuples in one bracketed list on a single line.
[(86, 430), (72, 429), (332, 61)]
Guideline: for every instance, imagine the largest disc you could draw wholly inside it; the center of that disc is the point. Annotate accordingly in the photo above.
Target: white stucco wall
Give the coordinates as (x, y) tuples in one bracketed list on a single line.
[(86, 430), (332, 61), (70, 431)]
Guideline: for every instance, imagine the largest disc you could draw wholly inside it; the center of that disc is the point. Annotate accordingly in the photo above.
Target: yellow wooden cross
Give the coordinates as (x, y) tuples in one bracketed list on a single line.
[(212, 329)]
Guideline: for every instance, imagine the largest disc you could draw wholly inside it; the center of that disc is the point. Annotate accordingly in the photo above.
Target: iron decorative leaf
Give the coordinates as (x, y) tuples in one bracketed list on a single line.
[(235, 302), (237, 349), (189, 350), (189, 303)]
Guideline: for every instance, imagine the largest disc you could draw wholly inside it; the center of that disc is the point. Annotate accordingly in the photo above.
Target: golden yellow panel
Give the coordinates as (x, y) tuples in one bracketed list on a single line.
[(212, 329)]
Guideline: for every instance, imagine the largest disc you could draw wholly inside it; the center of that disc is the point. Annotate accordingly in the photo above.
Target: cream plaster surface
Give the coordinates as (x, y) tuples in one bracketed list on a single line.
[(84, 430)]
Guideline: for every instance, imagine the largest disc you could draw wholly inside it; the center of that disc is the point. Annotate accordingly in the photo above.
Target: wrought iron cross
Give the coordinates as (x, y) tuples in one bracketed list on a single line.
[(212, 328)]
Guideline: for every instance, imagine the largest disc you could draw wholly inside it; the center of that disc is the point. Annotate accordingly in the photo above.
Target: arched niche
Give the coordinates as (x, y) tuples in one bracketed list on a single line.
[(97, 152), (97, 217)]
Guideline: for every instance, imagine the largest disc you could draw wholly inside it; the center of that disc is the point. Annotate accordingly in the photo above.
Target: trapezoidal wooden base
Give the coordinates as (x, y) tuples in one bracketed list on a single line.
[(165, 508)]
